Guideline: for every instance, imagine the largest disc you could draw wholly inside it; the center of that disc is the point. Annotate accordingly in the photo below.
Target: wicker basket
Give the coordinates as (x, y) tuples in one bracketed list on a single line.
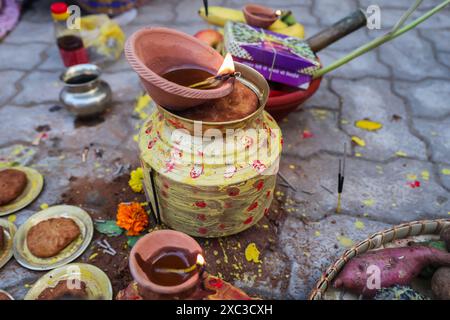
[(413, 230)]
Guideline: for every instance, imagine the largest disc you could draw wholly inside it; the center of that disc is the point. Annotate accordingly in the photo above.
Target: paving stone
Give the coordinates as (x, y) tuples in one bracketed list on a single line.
[(444, 58), (402, 4), (68, 134), (411, 58), (382, 192), (271, 286), (322, 124), (390, 16), (323, 97), (52, 60), (26, 32), (439, 136), (329, 11), (156, 12), (444, 174), (363, 66), (373, 99), (313, 247), (377, 189), (37, 12), (428, 98), (7, 84), (125, 85), (38, 87), (30, 56), (437, 37), (238, 4)]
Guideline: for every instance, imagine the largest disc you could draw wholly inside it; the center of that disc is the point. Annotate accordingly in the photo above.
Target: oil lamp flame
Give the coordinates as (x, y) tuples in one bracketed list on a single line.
[(200, 260), (227, 66)]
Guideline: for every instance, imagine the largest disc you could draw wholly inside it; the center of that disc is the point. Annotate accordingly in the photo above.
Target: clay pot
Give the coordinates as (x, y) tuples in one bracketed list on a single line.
[(259, 16), (155, 51), (151, 244), (280, 106)]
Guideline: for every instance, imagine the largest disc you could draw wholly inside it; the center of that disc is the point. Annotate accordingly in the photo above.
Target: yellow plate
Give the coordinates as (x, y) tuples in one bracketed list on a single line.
[(68, 254), (32, 190), (9, 231), (4, 292), (97, 282)]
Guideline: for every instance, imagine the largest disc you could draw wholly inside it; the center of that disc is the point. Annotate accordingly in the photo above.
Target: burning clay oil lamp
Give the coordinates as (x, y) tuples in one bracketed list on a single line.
[(212, 189), (259, 16), (153, 52), (167, 264)]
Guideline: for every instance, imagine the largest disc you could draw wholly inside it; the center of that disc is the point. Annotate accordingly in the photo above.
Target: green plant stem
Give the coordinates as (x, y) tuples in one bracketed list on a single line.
[(378, 41)]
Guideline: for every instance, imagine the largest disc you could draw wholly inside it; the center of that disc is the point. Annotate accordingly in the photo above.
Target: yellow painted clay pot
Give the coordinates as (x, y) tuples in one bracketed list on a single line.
[(212, 179)]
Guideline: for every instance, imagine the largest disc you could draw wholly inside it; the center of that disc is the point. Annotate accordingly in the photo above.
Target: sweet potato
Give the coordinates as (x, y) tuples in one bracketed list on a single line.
[(440, 283), (395, 266)]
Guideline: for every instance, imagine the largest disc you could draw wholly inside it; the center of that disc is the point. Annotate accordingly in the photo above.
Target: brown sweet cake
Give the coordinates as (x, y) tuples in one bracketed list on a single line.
[(2, 238), (4, 296), (240, 103), (49, 237), (62, 292), (12, 184)]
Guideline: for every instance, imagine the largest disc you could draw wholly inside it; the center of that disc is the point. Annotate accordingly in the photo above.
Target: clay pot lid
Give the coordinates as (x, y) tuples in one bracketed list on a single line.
[(153, 51), (253, 12), (151, 244)]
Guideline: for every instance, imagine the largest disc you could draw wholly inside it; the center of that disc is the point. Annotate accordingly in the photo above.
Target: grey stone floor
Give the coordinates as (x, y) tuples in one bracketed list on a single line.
[(405, 85)]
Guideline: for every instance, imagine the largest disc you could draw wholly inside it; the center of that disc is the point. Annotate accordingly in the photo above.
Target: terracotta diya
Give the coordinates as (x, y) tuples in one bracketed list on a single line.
[(259, 16), (166, 264), (155, 52)]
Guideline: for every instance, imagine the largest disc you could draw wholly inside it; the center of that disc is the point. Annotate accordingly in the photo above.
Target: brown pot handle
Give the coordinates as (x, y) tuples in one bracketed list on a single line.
[(340, 29)]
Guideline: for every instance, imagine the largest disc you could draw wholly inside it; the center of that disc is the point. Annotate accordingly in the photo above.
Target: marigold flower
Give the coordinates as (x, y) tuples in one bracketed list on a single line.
[(135, 181), (132, 217)]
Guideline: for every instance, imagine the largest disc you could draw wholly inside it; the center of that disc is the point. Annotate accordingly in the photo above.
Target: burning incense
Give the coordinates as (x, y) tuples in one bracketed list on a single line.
[(341, 179)]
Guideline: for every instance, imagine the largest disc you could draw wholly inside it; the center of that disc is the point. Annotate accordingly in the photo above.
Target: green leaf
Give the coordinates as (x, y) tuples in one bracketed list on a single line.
[(108, 227), (132, 240)]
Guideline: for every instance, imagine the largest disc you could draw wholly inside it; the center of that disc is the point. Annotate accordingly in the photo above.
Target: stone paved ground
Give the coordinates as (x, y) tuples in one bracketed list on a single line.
[(405, 85)]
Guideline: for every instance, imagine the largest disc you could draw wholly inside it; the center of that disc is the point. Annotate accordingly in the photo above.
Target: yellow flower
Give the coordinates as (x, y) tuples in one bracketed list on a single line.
[(135, 181), (132, 217)]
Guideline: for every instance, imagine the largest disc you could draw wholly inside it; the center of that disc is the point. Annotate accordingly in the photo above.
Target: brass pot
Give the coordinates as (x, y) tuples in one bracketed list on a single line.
[(206, 187), (84, 93)]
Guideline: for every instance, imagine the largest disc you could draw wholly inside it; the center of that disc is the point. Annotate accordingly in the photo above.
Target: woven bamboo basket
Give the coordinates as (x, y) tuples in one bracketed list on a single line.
[(397, 236)]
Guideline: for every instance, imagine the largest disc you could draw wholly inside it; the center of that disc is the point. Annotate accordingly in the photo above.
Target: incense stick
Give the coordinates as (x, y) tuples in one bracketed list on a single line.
[(214, 81), (341, 176)]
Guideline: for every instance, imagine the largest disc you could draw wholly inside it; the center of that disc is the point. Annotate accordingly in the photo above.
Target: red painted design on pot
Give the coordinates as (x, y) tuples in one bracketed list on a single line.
[(253, 206), (247, 141), (202, 230), (201, 217), (151, 143), (248, 220), (259, 185), (200, 204), (233, 191), (259, 166), (196, 171), (175, 123), (266, 212)]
